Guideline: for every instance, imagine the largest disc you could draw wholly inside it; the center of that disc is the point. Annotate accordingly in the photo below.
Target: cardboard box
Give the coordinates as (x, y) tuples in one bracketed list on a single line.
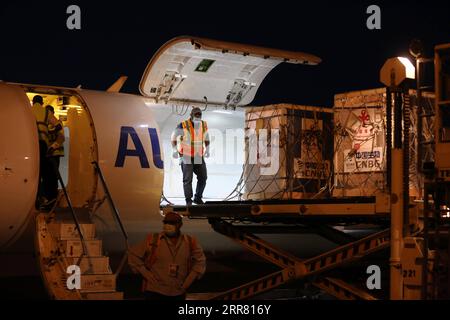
[(74, 248), (305, 151), (91, 265), (360, 167), (68, 231), (98, 283)]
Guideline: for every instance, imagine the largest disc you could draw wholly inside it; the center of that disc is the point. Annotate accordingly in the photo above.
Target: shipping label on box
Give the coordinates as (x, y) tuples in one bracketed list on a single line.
[(363, 160), (311, 169), (310, 164), (98, 283), (92, 265)]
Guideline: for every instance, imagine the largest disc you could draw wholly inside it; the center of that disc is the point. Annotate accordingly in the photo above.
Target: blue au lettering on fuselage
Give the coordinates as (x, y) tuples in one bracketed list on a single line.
[(139, 151)]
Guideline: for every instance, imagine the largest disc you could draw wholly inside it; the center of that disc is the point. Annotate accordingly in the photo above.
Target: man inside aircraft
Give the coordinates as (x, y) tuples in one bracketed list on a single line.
[(43, 120), (168, 261), (190, 142), (54, 153)]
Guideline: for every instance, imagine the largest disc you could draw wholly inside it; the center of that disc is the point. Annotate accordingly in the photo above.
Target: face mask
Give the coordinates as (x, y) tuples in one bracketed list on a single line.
[(170, 230), (196, 119)]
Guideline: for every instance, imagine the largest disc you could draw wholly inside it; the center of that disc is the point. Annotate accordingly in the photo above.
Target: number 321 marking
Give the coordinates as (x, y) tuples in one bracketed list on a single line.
[(409, 273)]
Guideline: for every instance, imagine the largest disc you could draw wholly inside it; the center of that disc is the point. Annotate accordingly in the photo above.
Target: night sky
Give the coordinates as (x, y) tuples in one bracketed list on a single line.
[(120, 37)]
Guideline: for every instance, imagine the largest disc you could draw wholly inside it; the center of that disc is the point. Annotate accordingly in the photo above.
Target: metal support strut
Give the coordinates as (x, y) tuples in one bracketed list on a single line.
[(296, 269)]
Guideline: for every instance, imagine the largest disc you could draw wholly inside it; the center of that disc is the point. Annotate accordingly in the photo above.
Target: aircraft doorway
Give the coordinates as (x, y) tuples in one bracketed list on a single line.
[(224, 166), (80, 150)]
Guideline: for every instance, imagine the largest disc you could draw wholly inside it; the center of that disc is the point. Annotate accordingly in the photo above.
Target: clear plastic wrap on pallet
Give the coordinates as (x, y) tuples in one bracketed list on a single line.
[(304, 151), (360, 142)]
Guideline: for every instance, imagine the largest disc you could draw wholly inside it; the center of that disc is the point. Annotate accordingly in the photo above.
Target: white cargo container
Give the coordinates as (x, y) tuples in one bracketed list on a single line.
[(360, 142), (305, 151)]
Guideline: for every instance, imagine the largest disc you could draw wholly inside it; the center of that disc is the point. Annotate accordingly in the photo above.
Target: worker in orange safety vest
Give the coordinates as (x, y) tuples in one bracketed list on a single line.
[(190, 142)]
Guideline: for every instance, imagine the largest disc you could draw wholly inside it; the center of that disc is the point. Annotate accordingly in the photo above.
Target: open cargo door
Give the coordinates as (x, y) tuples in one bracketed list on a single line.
[(197, 70)]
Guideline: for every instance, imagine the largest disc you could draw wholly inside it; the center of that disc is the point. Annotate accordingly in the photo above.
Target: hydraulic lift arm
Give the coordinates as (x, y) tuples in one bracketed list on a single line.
[(296, 269)]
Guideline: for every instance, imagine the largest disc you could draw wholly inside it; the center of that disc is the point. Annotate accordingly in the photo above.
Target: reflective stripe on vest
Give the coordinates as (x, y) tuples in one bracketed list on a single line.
[(189, 146), (57, 152), (52, 137)]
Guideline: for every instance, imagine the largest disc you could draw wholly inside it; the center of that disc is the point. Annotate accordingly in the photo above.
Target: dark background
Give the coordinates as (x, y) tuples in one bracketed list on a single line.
[(120, 37)]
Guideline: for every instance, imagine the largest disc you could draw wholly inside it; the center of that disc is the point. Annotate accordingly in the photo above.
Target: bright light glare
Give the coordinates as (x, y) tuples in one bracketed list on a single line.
[(410, 69), (223, 111), (74, 106)]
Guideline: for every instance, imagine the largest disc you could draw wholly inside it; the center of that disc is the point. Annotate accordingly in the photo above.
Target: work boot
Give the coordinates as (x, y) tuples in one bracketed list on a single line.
[(188, 202), (198, 201)]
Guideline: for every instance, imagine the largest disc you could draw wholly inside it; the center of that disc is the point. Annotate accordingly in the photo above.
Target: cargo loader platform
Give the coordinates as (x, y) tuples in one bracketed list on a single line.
[(351, 209), (314, 215)]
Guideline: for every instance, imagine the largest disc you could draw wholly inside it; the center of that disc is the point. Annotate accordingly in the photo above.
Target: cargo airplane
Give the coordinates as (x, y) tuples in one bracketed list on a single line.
[(129, 137)]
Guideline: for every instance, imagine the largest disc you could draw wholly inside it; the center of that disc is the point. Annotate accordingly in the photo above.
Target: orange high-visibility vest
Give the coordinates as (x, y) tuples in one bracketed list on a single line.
[(41, 115), (192, 142)]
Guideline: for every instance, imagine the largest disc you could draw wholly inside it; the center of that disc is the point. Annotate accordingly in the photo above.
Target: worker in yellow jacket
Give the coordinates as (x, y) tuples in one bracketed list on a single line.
[(55, 151), (43, 119)]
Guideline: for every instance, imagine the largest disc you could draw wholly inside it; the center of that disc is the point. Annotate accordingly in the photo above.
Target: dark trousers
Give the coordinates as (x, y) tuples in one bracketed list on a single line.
[(189, 168), (48, 178), (52, 180), (44, 170), (150, 295)]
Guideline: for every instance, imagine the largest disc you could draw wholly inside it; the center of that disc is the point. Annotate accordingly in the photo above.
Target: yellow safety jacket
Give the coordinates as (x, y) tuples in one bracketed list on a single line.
[(41, 115), (53, 137), (192, 140)]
